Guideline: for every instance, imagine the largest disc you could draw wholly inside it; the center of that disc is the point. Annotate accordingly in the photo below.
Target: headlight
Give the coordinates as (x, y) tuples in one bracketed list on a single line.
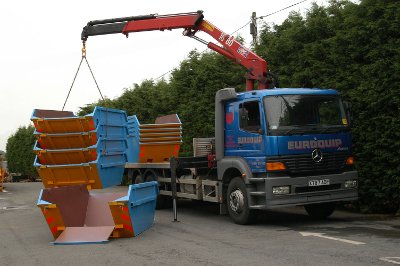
[(350, 184), (281, 190)]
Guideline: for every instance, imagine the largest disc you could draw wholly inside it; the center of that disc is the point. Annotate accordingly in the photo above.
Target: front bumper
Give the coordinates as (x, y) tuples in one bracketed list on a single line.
[(300, 193)]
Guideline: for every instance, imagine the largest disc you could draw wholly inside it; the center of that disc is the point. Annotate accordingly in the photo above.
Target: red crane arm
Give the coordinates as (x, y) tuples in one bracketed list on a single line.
[(257, 69), (167, 22), (256, 66)]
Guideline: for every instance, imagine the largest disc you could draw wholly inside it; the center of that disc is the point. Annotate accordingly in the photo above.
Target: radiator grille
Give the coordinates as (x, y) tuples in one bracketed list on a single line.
[(331, 162)]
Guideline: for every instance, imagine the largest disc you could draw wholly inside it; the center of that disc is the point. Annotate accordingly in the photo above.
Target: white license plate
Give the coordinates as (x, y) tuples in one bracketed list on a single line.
[(320, 182)]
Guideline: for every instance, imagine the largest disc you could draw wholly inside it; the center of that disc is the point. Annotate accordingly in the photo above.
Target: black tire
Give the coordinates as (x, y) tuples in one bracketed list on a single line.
[(163, 202), (130, 176), (238, 204), (138, 179), (320, 211), (135, 177)]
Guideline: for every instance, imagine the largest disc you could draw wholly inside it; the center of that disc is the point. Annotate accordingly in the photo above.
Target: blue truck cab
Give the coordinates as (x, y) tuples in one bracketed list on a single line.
[(286, 147)]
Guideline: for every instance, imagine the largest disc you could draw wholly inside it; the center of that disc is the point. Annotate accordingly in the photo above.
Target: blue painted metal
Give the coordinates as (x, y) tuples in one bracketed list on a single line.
[(255, 148), (108, 116), (297, 144), (103, 147), (133, 139), (87, 150), (104, 121), (285, 91), (107, 168), (153, 142), (102, 131), (142, 204)]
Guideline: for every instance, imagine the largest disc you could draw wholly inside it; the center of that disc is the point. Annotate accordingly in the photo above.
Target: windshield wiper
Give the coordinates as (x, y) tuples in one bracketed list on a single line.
[(334, 129), (295, 130)]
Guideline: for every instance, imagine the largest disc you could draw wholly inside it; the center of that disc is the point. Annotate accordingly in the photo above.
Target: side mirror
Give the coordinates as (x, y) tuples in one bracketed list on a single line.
[(261, 131)]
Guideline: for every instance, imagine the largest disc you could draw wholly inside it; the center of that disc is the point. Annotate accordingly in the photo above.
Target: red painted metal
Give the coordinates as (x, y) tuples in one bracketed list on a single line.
[(257, 67), (160, 23)]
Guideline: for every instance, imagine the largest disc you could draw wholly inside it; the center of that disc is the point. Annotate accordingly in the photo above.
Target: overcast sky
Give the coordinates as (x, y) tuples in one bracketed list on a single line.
[(40, 49)]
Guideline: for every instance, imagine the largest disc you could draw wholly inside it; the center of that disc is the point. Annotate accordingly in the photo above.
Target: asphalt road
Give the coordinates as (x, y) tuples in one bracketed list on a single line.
[(202, 237)]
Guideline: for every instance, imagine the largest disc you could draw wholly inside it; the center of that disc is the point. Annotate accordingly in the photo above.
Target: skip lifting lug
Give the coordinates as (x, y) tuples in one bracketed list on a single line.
[(83, 49)]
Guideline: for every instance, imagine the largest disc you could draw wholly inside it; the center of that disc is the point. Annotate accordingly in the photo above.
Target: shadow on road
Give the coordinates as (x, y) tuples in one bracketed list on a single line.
[(295, 218)]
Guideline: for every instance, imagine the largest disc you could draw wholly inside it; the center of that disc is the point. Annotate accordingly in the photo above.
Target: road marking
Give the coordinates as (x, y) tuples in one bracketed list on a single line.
[(23, 207), (394, 260), (322, 235)]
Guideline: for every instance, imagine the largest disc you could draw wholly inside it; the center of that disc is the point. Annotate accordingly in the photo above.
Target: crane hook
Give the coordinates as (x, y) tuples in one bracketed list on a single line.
[(83, 49)]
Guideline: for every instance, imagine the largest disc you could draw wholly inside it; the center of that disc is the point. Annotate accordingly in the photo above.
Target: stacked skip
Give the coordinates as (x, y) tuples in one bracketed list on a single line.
[(74, 150), (78, 153), (154, 143)]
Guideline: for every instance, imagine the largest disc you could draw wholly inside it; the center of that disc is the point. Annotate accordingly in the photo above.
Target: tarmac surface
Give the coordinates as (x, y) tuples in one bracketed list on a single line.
[(202, 237)]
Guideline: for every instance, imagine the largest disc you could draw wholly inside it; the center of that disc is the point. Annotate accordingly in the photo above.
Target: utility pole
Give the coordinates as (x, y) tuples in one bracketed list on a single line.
[(253, 29)]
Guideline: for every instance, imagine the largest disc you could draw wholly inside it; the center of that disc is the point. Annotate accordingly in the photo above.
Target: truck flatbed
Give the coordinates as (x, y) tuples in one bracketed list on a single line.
[(165, 165)]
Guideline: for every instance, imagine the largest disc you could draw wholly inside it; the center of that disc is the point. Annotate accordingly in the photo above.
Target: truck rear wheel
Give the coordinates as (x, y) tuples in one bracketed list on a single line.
[(238, 204), (320, 211), (135, 176), (163, 201), (138, 179)]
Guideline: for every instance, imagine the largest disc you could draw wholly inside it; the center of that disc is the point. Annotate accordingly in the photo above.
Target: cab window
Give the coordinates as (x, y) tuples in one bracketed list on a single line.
[(249, 113)]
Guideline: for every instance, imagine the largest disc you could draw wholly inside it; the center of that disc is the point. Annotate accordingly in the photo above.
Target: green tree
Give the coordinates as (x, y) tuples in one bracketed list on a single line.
[(193, 86), (19, 152), (354, 48), (190, 93)]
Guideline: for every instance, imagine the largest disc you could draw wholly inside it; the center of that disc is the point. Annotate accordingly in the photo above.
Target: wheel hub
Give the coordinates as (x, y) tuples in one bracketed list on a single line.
[(236, 201)]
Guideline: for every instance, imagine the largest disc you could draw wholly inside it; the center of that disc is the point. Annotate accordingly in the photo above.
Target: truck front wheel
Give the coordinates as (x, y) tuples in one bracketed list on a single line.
[(320, 210), (238, 204)]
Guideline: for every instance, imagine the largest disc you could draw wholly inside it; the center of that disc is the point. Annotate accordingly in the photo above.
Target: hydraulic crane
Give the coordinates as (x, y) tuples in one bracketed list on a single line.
[(257, 68), (272, 147)]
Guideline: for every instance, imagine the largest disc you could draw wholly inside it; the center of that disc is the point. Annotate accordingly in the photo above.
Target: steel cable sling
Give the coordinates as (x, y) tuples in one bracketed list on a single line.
[(76, 74), (97, 85)]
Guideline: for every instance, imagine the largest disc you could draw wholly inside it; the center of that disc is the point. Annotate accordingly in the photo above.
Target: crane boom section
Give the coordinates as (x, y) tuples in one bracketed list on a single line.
[(161, 23), (257, 68)]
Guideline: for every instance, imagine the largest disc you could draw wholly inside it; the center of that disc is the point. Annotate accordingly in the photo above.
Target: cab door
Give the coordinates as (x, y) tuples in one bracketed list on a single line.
[(246, 136)]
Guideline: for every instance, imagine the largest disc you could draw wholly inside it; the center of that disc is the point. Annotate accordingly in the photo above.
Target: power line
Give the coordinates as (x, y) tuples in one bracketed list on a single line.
[(280, 10), (260, 17), (241, 27), (164, 74), (161, 76)]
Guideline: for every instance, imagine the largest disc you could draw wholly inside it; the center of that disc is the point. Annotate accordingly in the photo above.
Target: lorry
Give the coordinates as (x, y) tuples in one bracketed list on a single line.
[(273, 147)]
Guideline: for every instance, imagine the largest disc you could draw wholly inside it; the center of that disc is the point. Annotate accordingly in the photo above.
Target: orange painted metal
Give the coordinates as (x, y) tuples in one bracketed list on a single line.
[(67, 175), (67, 156), (122, 220), (53, 217), (62, 125), (160, 141), (73, 215), (158, 152), (66, 141)]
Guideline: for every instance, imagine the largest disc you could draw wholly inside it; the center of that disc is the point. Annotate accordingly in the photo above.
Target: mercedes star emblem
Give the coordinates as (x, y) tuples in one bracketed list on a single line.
[(316, 155)]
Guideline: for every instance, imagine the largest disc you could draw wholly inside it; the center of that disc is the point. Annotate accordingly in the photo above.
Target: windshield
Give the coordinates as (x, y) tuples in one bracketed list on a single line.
[(299, 114)]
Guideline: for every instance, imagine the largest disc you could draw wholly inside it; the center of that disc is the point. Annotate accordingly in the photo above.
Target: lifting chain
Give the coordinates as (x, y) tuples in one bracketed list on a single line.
[(77, 71), (83, 49)]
